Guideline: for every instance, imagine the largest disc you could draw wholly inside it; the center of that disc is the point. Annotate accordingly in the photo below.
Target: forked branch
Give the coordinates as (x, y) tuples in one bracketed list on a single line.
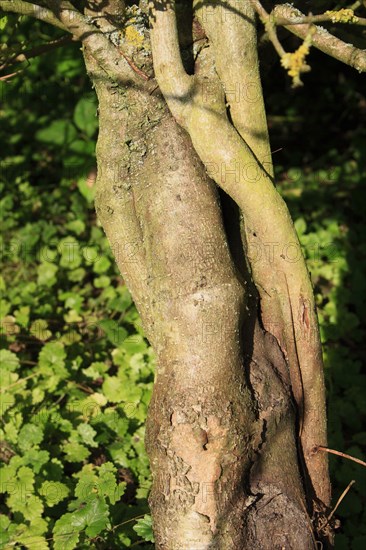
[(304, 27), (33, 10), (321, 39)]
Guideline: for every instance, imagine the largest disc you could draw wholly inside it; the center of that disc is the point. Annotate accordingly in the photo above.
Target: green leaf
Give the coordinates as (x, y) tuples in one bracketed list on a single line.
[(22, 315), (3, 22), (143, 528), (30, 536), (30, 436), (85, 115), (52, 355), (118, 453), (76, 226), (46, 274), (59, 132), (53, 492), (101, 265), (65, 535), (75, 452), (72, 300), (2, 284), (107, 484), (39, 526), (72, 317), (87, 434), (96, 370), (102, 282), (117, 390), (94, 517), (69, 249), (135, 344), (300, 226), (8, 360), (121, 302), (114, 332), (39, 329), (27, 504), (86, 187), (36, 459), (33, 542)]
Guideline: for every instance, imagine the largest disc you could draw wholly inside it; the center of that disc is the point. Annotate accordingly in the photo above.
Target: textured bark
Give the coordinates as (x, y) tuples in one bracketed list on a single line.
[(234, 160), (238, 400), (221, 432)]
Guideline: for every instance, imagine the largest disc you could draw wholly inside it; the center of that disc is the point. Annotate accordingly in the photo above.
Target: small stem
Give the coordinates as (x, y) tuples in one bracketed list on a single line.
[(321, 18), (341, 498), (339, 453), (270, 25), (322, 39), (2, 390), (5, 77), (35, 52), (33, 10)]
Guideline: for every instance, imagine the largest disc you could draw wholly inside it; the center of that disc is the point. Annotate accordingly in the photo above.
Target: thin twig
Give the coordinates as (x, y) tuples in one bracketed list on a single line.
[(341, 498), (322, 39), (5, 77), (269, 23), (18, 382), (339, 453), (114, 527), (134, 67), (33, 10), (321, 18), (20, 57)]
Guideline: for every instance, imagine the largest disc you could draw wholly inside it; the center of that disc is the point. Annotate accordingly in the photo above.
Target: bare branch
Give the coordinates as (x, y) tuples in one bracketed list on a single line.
[(339, 453), (33, 10), (322, 39), (293, 62), (100, 47), (328, 16), (22, 56), (66, 17), (170, 73), (7, 76), (270, 26), (230, 29)]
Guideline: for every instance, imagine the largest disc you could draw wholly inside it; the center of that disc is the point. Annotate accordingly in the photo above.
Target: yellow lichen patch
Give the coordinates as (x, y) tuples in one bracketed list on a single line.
[(344, 15), (295, 62), (134, 37)]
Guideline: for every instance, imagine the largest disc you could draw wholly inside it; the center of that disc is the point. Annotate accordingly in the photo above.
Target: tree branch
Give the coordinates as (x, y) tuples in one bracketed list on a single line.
[(230, 30), (35, 52), (100, 47), (107, 13), (270, 26), (66, 17), (322, 39), (173, 80), (33, 10), (321, 18)]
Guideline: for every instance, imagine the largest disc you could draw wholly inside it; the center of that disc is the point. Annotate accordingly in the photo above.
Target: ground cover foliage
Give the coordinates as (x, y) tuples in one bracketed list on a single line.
[(76, 370)]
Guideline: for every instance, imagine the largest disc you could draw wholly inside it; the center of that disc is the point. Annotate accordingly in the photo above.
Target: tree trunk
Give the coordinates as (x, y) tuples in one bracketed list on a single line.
[(238, 400)]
